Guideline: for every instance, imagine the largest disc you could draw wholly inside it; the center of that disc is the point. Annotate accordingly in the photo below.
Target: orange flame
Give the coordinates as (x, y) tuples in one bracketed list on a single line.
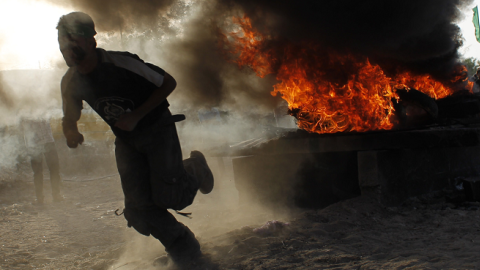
[(361, 101)]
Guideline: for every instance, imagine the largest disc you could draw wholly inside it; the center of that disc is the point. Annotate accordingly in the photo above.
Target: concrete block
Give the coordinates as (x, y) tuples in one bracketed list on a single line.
[(302, 180), (392, 176)]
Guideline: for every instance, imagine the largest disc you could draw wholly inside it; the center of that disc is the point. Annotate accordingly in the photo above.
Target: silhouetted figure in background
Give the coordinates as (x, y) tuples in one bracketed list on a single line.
[(40, 143)]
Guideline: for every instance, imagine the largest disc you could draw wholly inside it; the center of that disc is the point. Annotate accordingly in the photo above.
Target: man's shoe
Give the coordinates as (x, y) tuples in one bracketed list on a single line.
[(203, 172), (185, 248)]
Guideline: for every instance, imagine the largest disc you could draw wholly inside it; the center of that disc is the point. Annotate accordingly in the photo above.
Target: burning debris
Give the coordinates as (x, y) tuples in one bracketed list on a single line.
[(331, 92), (334, 83), (322, 48)]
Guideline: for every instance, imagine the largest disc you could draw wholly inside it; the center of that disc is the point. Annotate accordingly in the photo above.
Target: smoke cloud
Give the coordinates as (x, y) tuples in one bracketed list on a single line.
[(116, 15), (420, 36), (24, 93), (29, 93), (182, 36)]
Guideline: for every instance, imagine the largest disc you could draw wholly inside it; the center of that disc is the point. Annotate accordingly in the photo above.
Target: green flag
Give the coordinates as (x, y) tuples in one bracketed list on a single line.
[(476, 23)]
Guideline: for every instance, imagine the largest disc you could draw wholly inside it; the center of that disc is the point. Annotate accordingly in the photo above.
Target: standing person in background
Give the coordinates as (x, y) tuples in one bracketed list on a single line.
[(130, 95), (40, 143)]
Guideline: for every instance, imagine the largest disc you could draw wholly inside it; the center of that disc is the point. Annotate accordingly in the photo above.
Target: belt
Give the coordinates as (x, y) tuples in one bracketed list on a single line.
[(171, 119)]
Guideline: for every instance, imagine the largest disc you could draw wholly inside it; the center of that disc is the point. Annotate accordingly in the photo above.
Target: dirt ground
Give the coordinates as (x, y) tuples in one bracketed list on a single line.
[(83, 232)]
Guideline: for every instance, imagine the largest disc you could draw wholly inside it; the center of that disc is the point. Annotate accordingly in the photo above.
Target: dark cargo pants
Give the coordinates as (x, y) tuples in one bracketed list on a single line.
[(144, 160)]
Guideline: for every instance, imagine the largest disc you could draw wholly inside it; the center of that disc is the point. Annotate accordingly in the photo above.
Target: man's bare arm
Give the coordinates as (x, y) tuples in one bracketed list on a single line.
[(129, 121), (72, 110)]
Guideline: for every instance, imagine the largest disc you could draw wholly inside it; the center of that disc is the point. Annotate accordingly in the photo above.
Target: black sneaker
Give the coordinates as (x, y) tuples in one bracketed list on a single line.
[(204, 173), (184, 251)]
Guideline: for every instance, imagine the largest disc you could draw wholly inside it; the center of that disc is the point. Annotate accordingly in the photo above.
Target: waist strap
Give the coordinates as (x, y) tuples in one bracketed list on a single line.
[(171, 119)]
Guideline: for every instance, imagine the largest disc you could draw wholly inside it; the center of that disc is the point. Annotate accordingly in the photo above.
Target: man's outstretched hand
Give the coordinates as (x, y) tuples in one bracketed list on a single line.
[(74, 138), (127, 121)]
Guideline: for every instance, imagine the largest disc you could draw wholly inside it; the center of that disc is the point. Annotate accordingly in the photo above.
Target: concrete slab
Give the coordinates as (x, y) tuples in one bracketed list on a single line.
[(313, 171)]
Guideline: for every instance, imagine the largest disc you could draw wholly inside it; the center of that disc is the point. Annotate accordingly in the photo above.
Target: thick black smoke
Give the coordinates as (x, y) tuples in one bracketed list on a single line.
[(205, 78), (204, 72), (117, 15), (420, 36)]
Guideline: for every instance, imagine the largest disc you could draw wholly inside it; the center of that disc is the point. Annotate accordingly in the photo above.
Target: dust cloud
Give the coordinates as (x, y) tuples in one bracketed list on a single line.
[(217, 218), (33, 94), (24, 93)]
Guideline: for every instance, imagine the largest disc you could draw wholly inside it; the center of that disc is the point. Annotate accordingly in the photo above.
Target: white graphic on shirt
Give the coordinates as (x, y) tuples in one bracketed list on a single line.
[(111, 108), (113, 111)]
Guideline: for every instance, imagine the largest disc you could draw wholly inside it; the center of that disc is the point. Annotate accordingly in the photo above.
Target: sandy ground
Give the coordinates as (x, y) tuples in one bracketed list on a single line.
[(83, 232)]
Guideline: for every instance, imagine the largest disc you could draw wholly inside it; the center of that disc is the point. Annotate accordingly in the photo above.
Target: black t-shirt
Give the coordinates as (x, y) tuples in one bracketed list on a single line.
[(120, 83)]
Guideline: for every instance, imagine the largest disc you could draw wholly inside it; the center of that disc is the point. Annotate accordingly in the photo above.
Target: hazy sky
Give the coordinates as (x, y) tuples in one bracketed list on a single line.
[(28, 35), (471, 47), (28, 38)]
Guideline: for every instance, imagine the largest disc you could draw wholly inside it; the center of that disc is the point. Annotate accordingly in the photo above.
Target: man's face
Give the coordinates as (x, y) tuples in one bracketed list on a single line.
[(74, 48)]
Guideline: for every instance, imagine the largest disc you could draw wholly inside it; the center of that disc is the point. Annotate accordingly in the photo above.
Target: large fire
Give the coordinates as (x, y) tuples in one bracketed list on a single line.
[(328, 93)]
